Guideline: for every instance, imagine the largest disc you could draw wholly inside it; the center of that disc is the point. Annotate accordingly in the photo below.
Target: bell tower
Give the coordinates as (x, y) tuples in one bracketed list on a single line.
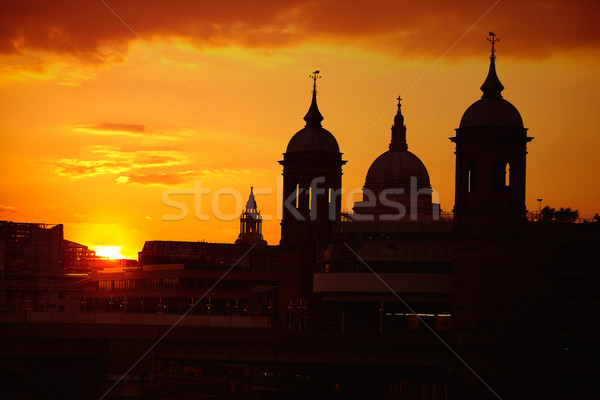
[(491, 149), (251, 223), (312, 181), (493, 276)]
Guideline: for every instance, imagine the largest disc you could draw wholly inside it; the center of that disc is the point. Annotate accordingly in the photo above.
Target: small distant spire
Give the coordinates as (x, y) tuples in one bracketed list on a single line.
[(251, 206), (398, 142), (492, 87), (313, 117), (251, 223)]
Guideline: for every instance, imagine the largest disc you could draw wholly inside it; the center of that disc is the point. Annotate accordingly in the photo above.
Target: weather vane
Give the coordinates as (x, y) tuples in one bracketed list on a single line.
[(315, 75), (493, 39)]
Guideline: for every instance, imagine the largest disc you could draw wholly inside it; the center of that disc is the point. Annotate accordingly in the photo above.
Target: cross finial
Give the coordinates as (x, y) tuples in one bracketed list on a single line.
[(399, 100), (315, 75), (492, 38)]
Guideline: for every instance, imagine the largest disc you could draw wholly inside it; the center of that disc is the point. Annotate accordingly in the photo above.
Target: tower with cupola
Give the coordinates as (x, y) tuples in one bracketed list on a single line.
[(491, 148), (251, 223), (312, 181), (494, 274)]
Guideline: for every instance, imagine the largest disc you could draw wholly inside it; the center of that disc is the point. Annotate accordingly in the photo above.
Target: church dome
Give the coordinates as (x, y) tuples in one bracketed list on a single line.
[(313, 137), (394, 169), (492, 109), (491, 112)]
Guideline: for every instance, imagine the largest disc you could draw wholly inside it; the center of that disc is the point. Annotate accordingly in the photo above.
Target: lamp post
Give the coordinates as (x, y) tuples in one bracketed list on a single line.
[(539, 208)]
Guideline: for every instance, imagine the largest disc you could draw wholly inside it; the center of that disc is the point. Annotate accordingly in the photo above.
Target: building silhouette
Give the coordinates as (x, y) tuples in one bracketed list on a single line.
[(392, 301), (251, 223), (397, 183)]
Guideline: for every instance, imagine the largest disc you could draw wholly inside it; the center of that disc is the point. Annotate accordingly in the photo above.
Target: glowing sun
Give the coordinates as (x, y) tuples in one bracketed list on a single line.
[(112, 252)]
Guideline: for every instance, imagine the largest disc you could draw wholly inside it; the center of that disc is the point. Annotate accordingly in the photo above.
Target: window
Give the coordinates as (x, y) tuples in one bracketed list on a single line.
[(471, 176), (501, 175)]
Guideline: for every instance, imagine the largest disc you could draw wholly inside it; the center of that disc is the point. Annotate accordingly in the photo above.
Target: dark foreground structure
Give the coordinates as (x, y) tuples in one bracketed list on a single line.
[(393, 301)]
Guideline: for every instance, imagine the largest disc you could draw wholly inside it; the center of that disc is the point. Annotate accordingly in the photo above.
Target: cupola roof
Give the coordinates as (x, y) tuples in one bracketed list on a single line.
[(313, 137)]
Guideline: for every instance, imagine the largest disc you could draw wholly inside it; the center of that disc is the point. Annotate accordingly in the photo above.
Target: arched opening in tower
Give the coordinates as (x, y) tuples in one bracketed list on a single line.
[(470, 176), (501, 175)]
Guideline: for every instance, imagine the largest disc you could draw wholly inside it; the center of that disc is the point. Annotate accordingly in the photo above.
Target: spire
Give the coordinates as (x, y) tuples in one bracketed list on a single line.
[(251, 203), (398, 142), (250, 223), (313, 117), (492, 86)]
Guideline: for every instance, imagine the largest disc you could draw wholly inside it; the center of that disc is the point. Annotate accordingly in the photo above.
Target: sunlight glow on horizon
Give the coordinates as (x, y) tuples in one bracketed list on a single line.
[(112, 252)]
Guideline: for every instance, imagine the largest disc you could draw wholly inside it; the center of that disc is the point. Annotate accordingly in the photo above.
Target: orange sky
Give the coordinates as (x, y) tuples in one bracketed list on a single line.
[(102, 113)]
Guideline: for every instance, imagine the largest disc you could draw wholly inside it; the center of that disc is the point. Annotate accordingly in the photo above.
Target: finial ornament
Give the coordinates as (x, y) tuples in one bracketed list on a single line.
[(492, 38), (315, 75), (398, 142), (313, 117)]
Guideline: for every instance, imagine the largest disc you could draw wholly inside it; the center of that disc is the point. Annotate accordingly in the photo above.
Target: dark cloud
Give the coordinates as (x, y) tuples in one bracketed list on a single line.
[(90, 31), (112, 126)]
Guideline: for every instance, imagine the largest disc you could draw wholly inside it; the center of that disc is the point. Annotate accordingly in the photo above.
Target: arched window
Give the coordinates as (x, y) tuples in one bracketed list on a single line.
[(501, 175), (471, 176)]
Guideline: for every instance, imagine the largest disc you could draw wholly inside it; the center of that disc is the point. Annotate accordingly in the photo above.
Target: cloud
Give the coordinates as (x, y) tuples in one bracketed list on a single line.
[(90, 31), (123, 129), (76, 169), (8, 209), (158, 179), (179, 177), (223, 172), (112, 126), (110, 160), (36, 66)]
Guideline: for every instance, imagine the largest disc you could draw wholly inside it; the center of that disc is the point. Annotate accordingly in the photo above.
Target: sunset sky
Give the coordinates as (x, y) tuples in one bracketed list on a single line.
[(108, 104)]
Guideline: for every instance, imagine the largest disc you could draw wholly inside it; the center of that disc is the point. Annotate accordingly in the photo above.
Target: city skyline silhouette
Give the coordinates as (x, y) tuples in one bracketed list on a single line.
[(189, 212), (103, 119)]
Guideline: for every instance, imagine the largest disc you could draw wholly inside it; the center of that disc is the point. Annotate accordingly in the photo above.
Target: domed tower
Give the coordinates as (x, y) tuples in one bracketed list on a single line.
[(491, 148), (397, 185), (250, 223), (493, 276), (312, 180)]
